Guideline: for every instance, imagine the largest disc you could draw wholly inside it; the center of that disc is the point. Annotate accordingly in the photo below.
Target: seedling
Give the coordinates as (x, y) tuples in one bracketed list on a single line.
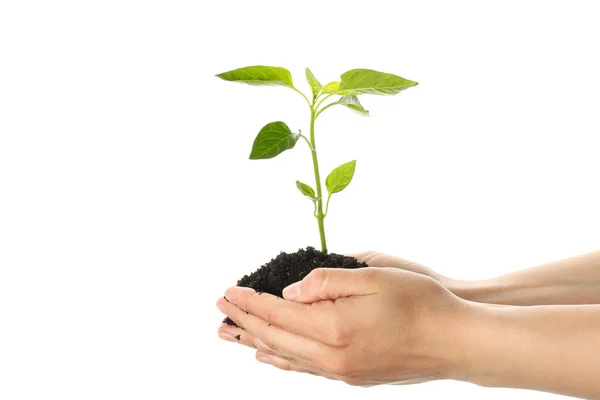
[(276, 137)]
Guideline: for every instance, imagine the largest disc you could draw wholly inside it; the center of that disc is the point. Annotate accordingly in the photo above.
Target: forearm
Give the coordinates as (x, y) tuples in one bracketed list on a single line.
[(548, 348), (574, 280)]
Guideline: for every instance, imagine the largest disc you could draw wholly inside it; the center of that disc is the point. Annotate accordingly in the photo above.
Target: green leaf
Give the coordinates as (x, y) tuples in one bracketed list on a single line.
[(340, 177), (273, 139), (351, 101), (259, 75), (314, 83), (306, 190), (331, 87), (367, 81)]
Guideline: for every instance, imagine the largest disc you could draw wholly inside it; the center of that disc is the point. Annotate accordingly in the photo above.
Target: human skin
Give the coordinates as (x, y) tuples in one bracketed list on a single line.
[(574, 280), (402, 324)]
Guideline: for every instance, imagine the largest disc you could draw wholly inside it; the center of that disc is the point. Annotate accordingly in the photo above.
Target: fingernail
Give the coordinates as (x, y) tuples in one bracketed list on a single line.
[(292, 292), (226, 336), (234, 293), (264, 359)]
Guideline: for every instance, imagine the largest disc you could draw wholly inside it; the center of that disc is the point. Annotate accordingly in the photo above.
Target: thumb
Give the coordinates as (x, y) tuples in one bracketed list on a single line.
[(331, 284)]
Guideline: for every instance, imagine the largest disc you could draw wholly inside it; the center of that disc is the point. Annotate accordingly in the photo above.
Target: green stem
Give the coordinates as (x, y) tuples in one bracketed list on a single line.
[(320, 215), (327, 206), (323, 100), (325, 108), (303, 95), (307, 141)]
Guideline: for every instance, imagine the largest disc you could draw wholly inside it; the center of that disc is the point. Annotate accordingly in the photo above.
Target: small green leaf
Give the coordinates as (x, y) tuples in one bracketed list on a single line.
[(351, 101), (306, 190), (367, 81), (314, 83), (259, 75), (340, 177), (331, 87), (273, 139)]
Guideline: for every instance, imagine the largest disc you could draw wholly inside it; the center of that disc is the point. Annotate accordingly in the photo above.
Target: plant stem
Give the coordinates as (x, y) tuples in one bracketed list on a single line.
[(307, 141), (320, 216), (323, 100), (303, 95), (325, 108)]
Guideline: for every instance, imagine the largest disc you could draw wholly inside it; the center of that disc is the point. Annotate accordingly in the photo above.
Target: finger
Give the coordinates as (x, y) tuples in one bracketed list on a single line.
[(272, 336), (381, 260), (279, 362), (237, 335), (310, 321), (376, 259), (288, 365), (364, 256), (332, 284)]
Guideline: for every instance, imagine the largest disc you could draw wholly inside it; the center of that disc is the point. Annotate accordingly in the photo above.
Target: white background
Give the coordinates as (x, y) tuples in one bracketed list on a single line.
[(128, 203)]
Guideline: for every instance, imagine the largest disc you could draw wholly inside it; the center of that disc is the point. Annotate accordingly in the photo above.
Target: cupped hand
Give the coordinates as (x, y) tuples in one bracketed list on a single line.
[(376, 259), (372, 259), (365, 327)]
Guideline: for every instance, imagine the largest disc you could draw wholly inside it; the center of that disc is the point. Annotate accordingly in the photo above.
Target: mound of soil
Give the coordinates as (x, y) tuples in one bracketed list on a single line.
[(288, 268)]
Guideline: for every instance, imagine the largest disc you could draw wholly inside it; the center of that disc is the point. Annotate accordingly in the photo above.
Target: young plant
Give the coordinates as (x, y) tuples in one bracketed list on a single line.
[(276, 137)]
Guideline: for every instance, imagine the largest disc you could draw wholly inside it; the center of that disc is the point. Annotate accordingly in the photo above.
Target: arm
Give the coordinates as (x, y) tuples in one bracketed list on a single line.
[(548, 348), (573, 280)]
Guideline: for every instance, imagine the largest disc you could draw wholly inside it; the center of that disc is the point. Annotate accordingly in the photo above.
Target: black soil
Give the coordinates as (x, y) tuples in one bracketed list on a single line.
[(288, 268)]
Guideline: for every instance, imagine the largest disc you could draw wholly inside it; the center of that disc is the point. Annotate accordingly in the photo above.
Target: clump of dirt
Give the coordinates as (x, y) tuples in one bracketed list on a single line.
[(288, 268)]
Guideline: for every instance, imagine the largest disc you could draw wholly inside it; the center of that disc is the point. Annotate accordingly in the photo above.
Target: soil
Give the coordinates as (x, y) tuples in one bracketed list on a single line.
[(288, 268)]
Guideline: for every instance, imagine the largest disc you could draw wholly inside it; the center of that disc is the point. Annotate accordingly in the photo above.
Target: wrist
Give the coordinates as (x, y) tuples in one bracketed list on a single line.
[(448, 337), (493, 346), (466, 290), (481, 291), (474, 330)]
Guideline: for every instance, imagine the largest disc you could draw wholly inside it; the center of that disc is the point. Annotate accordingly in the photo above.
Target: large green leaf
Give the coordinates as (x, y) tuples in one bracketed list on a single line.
[(340, 177), (259, 75), (273, 138), (306, 190), (331, 87), (314, 83), (351, 101), (368, 81)]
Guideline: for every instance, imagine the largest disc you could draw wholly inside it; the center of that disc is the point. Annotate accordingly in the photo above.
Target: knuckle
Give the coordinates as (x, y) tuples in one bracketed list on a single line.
[(248, 304), (340, 366), (315, 281), (338, 334), (317, 276), (274, 316)]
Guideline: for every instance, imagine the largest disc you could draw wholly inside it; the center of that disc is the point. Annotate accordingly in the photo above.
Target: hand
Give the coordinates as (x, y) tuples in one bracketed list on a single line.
[(365, 327), (375, 259)]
